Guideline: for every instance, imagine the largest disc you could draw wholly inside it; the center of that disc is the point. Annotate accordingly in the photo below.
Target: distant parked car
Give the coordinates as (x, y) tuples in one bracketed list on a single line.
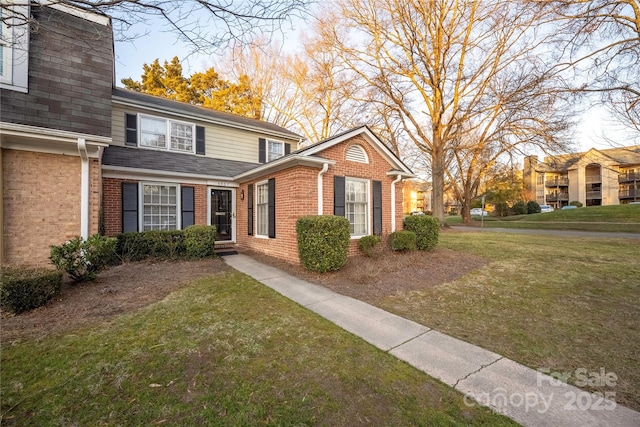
[(479, 212), (546, 208), (566, 208)]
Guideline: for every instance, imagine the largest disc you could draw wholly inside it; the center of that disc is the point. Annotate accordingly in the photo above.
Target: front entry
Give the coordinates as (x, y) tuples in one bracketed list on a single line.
[(222, 214)]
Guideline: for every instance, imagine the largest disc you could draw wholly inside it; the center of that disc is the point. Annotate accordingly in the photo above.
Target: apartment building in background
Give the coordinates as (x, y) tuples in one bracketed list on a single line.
[(594, 178)]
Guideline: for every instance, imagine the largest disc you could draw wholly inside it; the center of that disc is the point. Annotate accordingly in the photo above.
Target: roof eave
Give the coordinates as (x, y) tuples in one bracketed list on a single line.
[(281, 164)]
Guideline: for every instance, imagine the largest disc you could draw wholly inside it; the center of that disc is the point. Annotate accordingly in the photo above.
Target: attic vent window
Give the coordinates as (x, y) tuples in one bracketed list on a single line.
[(356, 153)]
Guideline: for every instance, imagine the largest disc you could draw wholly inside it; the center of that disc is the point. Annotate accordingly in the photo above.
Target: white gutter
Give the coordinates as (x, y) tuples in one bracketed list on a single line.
[(324, 169), (393, 202), (84, 188)]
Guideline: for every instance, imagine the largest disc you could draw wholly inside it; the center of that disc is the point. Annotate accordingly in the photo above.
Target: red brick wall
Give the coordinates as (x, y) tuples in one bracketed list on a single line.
[(296, 195), (42, 203), (112, 204)]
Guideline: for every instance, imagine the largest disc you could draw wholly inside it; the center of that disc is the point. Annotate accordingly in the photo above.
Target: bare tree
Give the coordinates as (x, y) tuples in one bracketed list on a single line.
[(602, 42), (308, 91), (461, 75), (203, 24)]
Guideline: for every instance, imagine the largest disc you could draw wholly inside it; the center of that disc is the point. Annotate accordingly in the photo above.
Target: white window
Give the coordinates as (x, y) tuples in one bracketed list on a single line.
[(357, 205), (156, 131), (275, 150), (262, 209), (181, 136), (160, 207), (14, 47)]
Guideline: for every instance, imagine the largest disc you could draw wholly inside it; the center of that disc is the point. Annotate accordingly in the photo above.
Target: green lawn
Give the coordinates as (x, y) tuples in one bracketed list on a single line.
[(548, 302), (225, 350), (621, 218)]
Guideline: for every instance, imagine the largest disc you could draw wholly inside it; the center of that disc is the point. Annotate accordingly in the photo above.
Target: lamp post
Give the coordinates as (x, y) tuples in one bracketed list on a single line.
[(482, 215)]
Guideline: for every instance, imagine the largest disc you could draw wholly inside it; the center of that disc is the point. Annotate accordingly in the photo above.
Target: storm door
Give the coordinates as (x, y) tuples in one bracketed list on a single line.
[(222, 214)]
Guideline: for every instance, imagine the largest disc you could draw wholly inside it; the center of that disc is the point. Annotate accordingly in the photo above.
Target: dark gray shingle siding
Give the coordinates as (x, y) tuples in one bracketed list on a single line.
[(70, 76)]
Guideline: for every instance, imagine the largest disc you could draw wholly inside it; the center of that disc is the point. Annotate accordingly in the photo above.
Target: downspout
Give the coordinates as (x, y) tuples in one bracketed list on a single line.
[(84, 188), (393, 202), (325, 168)]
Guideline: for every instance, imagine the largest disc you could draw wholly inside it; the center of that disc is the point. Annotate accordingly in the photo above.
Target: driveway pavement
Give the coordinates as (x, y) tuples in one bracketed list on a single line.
[(525, 395)]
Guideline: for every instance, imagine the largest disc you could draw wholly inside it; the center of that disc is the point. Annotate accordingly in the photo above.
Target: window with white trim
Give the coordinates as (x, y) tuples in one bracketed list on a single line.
[(275, 150), (14, 47), (160, 207), (155, 132), (262, 208), (356, 206)]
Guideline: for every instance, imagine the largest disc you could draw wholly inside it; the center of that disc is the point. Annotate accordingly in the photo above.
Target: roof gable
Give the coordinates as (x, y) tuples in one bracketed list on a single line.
[(370, 137)]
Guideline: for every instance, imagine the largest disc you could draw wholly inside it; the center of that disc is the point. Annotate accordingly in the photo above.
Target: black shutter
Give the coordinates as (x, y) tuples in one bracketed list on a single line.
[(129, 206), (262, 150), (131, 130), (338, 195), (377, 208), (271, 207), (187, 204), (200, 140), (287, 148), (250, 210)]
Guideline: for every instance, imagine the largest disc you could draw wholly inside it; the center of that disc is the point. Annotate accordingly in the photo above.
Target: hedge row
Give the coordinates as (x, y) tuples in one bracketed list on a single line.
[(196, 241), (22, 289)]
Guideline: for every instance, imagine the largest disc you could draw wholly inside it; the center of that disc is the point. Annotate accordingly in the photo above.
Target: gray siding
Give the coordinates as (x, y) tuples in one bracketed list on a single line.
[(70, 76)]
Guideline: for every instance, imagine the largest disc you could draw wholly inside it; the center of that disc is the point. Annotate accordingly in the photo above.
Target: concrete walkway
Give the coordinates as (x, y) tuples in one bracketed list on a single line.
[(523, 394)]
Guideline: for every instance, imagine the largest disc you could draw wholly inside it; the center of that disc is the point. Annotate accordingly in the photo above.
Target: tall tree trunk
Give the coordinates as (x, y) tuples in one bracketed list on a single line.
[(437, 176)]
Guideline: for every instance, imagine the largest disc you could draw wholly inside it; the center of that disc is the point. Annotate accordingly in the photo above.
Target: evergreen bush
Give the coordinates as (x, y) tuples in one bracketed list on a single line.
[(323, 242), (84, 259), (367, 244), (426, 228), (23, 289), (200, 240), (533, 207), (403, 240)]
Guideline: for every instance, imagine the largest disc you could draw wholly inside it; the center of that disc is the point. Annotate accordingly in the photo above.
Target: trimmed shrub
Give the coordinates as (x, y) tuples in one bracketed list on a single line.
[(533, 207), (165, 243), (323, 242), (427, 229), (576, 203), (519, 208), (22, 288), (83, 259), (132, 246), (200, 240), (403, 240), (367, 244)]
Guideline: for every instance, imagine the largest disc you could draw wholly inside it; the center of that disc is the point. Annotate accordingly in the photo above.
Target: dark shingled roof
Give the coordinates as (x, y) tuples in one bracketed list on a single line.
[(173, 162), (201, 112)]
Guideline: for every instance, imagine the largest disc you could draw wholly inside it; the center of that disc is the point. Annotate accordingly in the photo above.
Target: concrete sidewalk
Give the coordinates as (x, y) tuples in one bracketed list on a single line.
[(525, 395)]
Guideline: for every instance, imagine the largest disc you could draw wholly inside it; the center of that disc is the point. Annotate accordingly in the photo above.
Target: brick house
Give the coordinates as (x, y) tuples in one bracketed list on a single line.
[(55, 119), (115, 160)]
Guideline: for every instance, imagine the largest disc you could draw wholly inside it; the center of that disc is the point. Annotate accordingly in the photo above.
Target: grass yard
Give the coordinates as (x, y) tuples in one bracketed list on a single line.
[(548, 302), (621, 218), (224, 350)]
